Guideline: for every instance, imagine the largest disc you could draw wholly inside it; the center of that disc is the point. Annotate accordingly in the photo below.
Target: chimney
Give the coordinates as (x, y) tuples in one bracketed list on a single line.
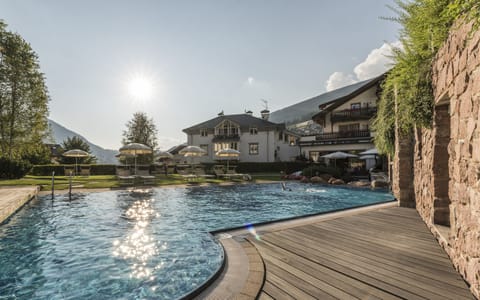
[(265, 114), (249, 112)]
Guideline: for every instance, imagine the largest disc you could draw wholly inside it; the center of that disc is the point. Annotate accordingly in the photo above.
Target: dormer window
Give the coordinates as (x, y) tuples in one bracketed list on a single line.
[(227, 128), (203, 132), (253, 130)]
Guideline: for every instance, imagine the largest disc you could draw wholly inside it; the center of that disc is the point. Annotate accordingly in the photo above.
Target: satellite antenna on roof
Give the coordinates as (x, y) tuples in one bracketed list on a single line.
[(265, 103)]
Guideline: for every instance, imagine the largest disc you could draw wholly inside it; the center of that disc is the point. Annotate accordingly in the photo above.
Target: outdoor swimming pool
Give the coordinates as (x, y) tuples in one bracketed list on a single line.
[(143, 244)]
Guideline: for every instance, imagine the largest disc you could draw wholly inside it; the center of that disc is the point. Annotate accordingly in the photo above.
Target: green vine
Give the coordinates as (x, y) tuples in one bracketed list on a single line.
[(408, 85)]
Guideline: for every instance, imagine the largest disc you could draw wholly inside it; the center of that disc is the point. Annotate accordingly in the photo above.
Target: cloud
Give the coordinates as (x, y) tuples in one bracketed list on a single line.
[(377, 62), (166, 142), (338, 80), (250, 80)]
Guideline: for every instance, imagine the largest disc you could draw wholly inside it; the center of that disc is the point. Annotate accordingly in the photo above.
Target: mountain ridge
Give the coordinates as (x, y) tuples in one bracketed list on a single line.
[(61, 133)]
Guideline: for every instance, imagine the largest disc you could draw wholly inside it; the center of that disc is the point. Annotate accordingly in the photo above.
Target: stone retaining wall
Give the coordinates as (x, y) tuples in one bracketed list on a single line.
[(447, 157)]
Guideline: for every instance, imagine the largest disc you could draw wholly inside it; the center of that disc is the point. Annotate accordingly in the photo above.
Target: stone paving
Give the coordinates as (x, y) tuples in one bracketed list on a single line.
[(13, 198)]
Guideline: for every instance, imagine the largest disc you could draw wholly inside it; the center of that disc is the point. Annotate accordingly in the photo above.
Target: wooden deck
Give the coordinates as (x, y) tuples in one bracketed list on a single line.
[(376, 252), (382, 254), (11, 199)]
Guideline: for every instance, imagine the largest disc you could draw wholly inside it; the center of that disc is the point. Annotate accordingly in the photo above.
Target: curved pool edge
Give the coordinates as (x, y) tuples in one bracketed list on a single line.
[(196, 292), (225, 279)]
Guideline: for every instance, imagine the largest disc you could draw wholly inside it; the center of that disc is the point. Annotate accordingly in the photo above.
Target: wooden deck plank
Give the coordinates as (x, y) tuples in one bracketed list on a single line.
[(404, 281), (388, 253), (382, 249), (433, 277), (347, 284), (397, 261), (348, 270)]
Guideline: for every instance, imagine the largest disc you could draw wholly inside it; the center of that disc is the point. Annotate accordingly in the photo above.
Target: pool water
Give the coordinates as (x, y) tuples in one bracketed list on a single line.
[(143, 244)]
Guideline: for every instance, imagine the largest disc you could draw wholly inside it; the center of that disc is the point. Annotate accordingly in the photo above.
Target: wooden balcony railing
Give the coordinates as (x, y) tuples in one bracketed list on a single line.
[(363, 113)]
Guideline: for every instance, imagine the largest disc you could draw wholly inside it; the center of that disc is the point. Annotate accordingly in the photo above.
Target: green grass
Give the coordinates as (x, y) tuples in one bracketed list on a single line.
[(110, 181)]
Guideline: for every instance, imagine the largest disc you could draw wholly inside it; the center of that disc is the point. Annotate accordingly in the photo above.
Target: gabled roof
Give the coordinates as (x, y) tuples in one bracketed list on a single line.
[(175, 149), (243, 120), (305, 110)]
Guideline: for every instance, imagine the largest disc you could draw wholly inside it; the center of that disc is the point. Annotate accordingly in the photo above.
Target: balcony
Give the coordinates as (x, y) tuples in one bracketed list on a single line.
[(364, 113), (345, 137), (226, 138)]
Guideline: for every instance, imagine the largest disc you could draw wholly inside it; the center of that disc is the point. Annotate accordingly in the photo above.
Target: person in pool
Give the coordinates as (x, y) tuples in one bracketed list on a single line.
[(284, 187)]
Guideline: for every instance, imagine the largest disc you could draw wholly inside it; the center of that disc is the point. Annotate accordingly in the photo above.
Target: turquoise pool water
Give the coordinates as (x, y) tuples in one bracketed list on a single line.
[(149, 244)]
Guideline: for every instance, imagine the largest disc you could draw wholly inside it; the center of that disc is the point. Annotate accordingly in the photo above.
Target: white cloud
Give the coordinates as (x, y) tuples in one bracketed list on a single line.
[(338, 80), (166, 142), (376, 63)]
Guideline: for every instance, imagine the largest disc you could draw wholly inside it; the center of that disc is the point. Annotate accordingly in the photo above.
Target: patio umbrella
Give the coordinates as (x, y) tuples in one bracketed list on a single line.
[(192, 151), (76, 153), (338, 155), (227, 154), (162, 154), (135, 149), (372, 151)]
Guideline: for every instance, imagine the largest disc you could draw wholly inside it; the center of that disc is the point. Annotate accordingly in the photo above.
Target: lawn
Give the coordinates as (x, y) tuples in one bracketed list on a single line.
[(110, 181)]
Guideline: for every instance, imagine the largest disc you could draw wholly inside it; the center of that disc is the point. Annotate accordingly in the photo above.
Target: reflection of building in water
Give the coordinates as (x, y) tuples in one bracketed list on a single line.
[(138, 247)]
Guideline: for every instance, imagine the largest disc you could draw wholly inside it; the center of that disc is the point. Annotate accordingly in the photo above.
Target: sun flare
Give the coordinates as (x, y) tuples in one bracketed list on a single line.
[(140, 87)]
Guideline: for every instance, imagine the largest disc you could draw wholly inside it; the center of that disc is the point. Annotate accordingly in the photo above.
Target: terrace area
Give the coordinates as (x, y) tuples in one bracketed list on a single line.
[(379, 252)]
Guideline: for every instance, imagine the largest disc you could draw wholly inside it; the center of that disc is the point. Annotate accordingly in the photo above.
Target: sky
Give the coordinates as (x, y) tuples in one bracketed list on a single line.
[(183, 62)]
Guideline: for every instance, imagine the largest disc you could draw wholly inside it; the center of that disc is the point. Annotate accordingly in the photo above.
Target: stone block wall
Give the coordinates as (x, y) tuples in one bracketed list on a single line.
[(447, 157)]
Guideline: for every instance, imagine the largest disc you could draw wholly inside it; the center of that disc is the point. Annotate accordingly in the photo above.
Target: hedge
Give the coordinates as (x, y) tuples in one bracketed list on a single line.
[(13, 169), (46, 170)]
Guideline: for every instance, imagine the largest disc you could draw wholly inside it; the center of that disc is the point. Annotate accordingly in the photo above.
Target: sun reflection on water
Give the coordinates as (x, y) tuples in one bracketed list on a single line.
[(138, 247)]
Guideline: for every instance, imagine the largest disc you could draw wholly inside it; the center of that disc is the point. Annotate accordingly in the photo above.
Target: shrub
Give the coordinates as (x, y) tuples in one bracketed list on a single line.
[(13, 169), (103, 169), (314, 170), (276, 167), (46, 170)]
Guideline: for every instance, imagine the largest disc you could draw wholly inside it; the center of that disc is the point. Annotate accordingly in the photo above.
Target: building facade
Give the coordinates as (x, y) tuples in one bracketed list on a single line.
[(344, 122), (257, 139)]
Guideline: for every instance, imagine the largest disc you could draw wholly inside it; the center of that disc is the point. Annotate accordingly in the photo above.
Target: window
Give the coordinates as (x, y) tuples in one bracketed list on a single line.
[(204, 147), (221, 146), (253, 130), (253, 148), (355, 106), (204, 132), (292, 141), (280, 135)]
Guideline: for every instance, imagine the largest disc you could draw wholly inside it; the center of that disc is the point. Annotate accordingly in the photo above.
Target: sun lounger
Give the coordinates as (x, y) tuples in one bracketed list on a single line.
[(145, 176), (124, 178), (186, 172), (85, 171), (69, 170), (200, 172)]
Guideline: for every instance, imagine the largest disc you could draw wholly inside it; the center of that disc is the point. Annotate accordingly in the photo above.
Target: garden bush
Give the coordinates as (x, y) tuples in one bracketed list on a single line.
[(314, 170), (13, 169)]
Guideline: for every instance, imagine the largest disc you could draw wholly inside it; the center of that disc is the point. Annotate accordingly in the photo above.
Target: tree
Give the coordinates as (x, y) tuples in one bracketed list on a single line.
[(141, 129), (76, 142), (23, 98)]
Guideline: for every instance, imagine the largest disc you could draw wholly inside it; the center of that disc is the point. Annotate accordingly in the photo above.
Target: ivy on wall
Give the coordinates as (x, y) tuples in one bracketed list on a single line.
[(425, 27)]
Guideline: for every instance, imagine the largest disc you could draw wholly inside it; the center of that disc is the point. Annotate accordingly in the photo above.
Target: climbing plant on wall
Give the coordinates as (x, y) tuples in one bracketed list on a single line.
[(425, 27)]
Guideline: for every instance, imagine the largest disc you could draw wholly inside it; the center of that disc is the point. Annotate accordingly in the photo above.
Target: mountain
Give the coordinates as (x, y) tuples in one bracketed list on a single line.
[(304, 111), (60, 133)]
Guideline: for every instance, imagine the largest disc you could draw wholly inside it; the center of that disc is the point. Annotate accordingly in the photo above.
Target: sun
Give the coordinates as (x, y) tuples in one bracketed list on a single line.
[(140, 87)]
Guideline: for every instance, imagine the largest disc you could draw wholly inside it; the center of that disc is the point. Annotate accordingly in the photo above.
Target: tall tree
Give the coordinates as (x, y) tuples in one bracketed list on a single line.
[(23, 97), (141, 129)]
